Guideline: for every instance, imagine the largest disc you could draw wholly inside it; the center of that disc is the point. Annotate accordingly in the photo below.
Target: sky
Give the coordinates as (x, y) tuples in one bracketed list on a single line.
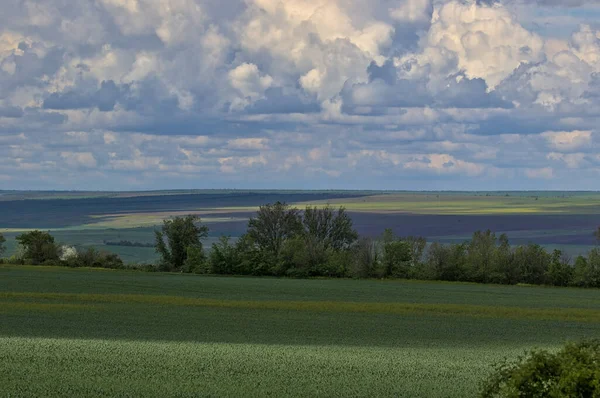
[(300, 94)]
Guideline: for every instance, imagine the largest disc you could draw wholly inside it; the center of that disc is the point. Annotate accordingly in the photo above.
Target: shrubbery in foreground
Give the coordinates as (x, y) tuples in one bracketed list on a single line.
[(572, 372)]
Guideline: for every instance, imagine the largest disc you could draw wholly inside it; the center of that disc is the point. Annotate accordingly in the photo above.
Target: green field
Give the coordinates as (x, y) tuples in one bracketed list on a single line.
[(464, 203), (81, 332)]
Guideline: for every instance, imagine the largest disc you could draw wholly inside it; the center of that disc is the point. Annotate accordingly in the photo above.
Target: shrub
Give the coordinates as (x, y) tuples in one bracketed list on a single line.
[(574, 371), (365, 260), (93, 258), (396, 256), (223, 257), (337, 263), (2, 247), (195, 261)]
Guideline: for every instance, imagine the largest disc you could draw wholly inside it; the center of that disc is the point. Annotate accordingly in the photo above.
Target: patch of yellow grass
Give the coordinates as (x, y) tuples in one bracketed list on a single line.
[(21, 306), (424, 203), (134, 220), (551, 314)]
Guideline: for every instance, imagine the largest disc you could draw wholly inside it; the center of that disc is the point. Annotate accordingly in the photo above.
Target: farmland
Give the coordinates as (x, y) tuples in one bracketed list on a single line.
[(563, 220), (114, 333)]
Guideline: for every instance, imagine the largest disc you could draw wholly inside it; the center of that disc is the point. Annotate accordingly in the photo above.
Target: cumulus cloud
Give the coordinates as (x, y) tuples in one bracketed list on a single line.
[(79, 159), (568, 140), (544, 172), (459, 93)]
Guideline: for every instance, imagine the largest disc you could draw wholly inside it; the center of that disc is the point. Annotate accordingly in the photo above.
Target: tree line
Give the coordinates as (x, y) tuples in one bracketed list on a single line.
[(127, 243), (281, 240)]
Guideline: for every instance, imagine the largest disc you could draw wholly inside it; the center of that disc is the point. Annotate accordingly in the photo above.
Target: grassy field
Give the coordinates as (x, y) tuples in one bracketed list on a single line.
[(473, 204), (116, 333)]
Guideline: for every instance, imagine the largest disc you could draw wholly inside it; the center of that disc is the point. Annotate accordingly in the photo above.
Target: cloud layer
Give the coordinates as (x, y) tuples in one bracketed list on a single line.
[(392, 94)]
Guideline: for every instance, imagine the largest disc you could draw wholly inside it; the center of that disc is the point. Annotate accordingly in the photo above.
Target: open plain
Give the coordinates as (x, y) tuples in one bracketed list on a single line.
[(90, 332)]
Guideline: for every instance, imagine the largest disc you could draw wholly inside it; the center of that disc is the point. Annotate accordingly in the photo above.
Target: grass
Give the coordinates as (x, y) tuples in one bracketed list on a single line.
[(116, 368), (469, 204), (137, 220), (87, 332)]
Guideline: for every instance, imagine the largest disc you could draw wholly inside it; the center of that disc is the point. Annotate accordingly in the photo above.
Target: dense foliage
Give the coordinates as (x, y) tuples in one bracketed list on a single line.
[(93, 258), (39, 247), (572, 372), (321, 242), (179, 238), (2, 241)]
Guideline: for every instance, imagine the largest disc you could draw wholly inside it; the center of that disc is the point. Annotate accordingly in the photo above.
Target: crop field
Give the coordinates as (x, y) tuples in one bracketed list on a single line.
[(563, 220), (468, 203), (83, 332)]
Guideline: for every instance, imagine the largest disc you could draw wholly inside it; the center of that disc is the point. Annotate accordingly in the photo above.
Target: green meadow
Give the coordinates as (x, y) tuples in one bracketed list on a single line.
[(84, 332), (474, 204)]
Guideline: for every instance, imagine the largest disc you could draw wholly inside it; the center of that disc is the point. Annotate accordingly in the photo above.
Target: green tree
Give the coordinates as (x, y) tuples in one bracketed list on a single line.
[(272, 226), (580, 272), (587, 271), (533, 262), (504, 269), (417, 245), (176, 237), (301, 256), (2, 247), (224, 257), (365, 259), (560, 270), (396, 256), (195, 260), (252, 260), (446, 262), (38, 247), (333, 228), (325, 232), (480, 256)]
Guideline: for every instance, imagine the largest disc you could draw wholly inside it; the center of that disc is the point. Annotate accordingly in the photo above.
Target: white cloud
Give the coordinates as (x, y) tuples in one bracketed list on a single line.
[(248, 143), (413, 11), (306, 91), (444, 164), (543, 173), (248, 80), (571, 160), (568, 140), (484, 42), (79, 159)]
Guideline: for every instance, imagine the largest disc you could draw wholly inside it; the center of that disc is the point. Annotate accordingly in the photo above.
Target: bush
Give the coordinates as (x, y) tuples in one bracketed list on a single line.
[(92, 258), (2, 247), (195, 261), (337, 263), (365, 260), (223, 257), (572, 372), (396, 256), (141, 267)]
